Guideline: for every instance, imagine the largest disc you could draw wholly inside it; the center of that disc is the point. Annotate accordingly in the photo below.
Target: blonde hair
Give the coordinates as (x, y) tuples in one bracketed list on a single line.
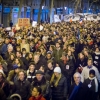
[(57, 81)]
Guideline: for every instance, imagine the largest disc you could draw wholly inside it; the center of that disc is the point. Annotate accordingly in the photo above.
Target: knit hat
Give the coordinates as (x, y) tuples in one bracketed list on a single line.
[(39, 72), (1, 71), (57, 69), (15, 66), (92, 72)]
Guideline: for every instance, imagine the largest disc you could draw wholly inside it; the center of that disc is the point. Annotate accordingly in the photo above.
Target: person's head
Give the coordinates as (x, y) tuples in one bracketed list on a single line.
[(18, 48), (16, 68), (23, 50), (39, 75), (81, 55), (21, 75), (90, 62), (12, 56), (7, 40), (57, 71), (42, 68), (36, 91), (77, 78), (10, 48), (17, 61), (91, 73), (18, 54), (48, 55), (57, 45), (30, 55), (50, 65), (32, 66), (36, 58)]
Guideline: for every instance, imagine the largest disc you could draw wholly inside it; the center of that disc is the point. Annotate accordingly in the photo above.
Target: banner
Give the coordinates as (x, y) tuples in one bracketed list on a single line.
[(23, 22), (56, 18)]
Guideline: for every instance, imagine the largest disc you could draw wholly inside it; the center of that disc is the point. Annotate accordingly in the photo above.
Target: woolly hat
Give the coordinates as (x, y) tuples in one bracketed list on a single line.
[(1, 71), (92, 72), (39, 72), (57, 69), (15, 67)]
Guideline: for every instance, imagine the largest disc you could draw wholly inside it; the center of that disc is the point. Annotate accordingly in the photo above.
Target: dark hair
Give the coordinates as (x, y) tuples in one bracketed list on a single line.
[(38, 89)]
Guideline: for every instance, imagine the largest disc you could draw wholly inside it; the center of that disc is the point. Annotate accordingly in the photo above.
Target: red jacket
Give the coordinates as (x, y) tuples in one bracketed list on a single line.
[(38, 98)]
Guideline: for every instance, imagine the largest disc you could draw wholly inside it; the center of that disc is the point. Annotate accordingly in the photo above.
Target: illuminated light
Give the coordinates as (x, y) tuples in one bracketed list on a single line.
[(65, 8), (42, 7)]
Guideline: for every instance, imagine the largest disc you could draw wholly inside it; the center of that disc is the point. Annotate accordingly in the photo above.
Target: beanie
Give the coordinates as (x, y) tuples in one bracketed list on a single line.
[(57, 69), (39, 72), (92, 72), (15, 66)]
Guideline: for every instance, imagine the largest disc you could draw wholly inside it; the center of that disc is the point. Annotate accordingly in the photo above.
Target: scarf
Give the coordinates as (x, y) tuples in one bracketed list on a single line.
[(96, 83), (74, 92)]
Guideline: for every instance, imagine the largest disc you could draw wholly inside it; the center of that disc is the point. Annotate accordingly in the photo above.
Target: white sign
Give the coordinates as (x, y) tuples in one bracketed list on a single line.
[(56, 18), (34, 23)]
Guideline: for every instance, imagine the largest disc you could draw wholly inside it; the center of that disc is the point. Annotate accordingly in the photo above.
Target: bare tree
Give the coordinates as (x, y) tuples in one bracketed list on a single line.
[(40, 10)]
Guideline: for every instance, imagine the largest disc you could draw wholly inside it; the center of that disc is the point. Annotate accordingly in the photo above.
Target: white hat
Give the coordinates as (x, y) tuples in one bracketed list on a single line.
[(57, 69)]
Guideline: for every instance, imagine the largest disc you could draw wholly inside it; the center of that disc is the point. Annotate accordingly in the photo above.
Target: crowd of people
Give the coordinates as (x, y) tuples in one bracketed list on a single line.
[(61, 61)]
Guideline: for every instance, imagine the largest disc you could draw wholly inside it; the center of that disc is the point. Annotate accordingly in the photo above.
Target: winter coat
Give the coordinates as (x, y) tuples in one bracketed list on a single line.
[(96, 60), (45, 86), (67, 69), (38, 98), (2, 95), (81, 93), (91, 94), (59, 92), (22, 88), (4, 85), (30, 76)]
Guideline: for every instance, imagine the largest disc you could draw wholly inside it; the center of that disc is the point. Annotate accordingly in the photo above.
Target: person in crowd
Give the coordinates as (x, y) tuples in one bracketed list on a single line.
[(4, 85), (96, 58), (2, 95), (23, 61), (12, 75), (81, 62), (10, 61), (77, 90), (58, 52), (22, 86), (92, 86), (8, 52), (49, 71), (67, 67), (58, 85), (37, 62), (4, 47), (37, 94), (41, 81), (31, 72), (85, 71), (30, 57), (3, 65)]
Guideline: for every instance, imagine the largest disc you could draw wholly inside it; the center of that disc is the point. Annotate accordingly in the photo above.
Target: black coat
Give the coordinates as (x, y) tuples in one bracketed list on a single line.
[(67, 69), (45, 86), (81, 94), (91, 94), (59, 92), (22, 88)]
